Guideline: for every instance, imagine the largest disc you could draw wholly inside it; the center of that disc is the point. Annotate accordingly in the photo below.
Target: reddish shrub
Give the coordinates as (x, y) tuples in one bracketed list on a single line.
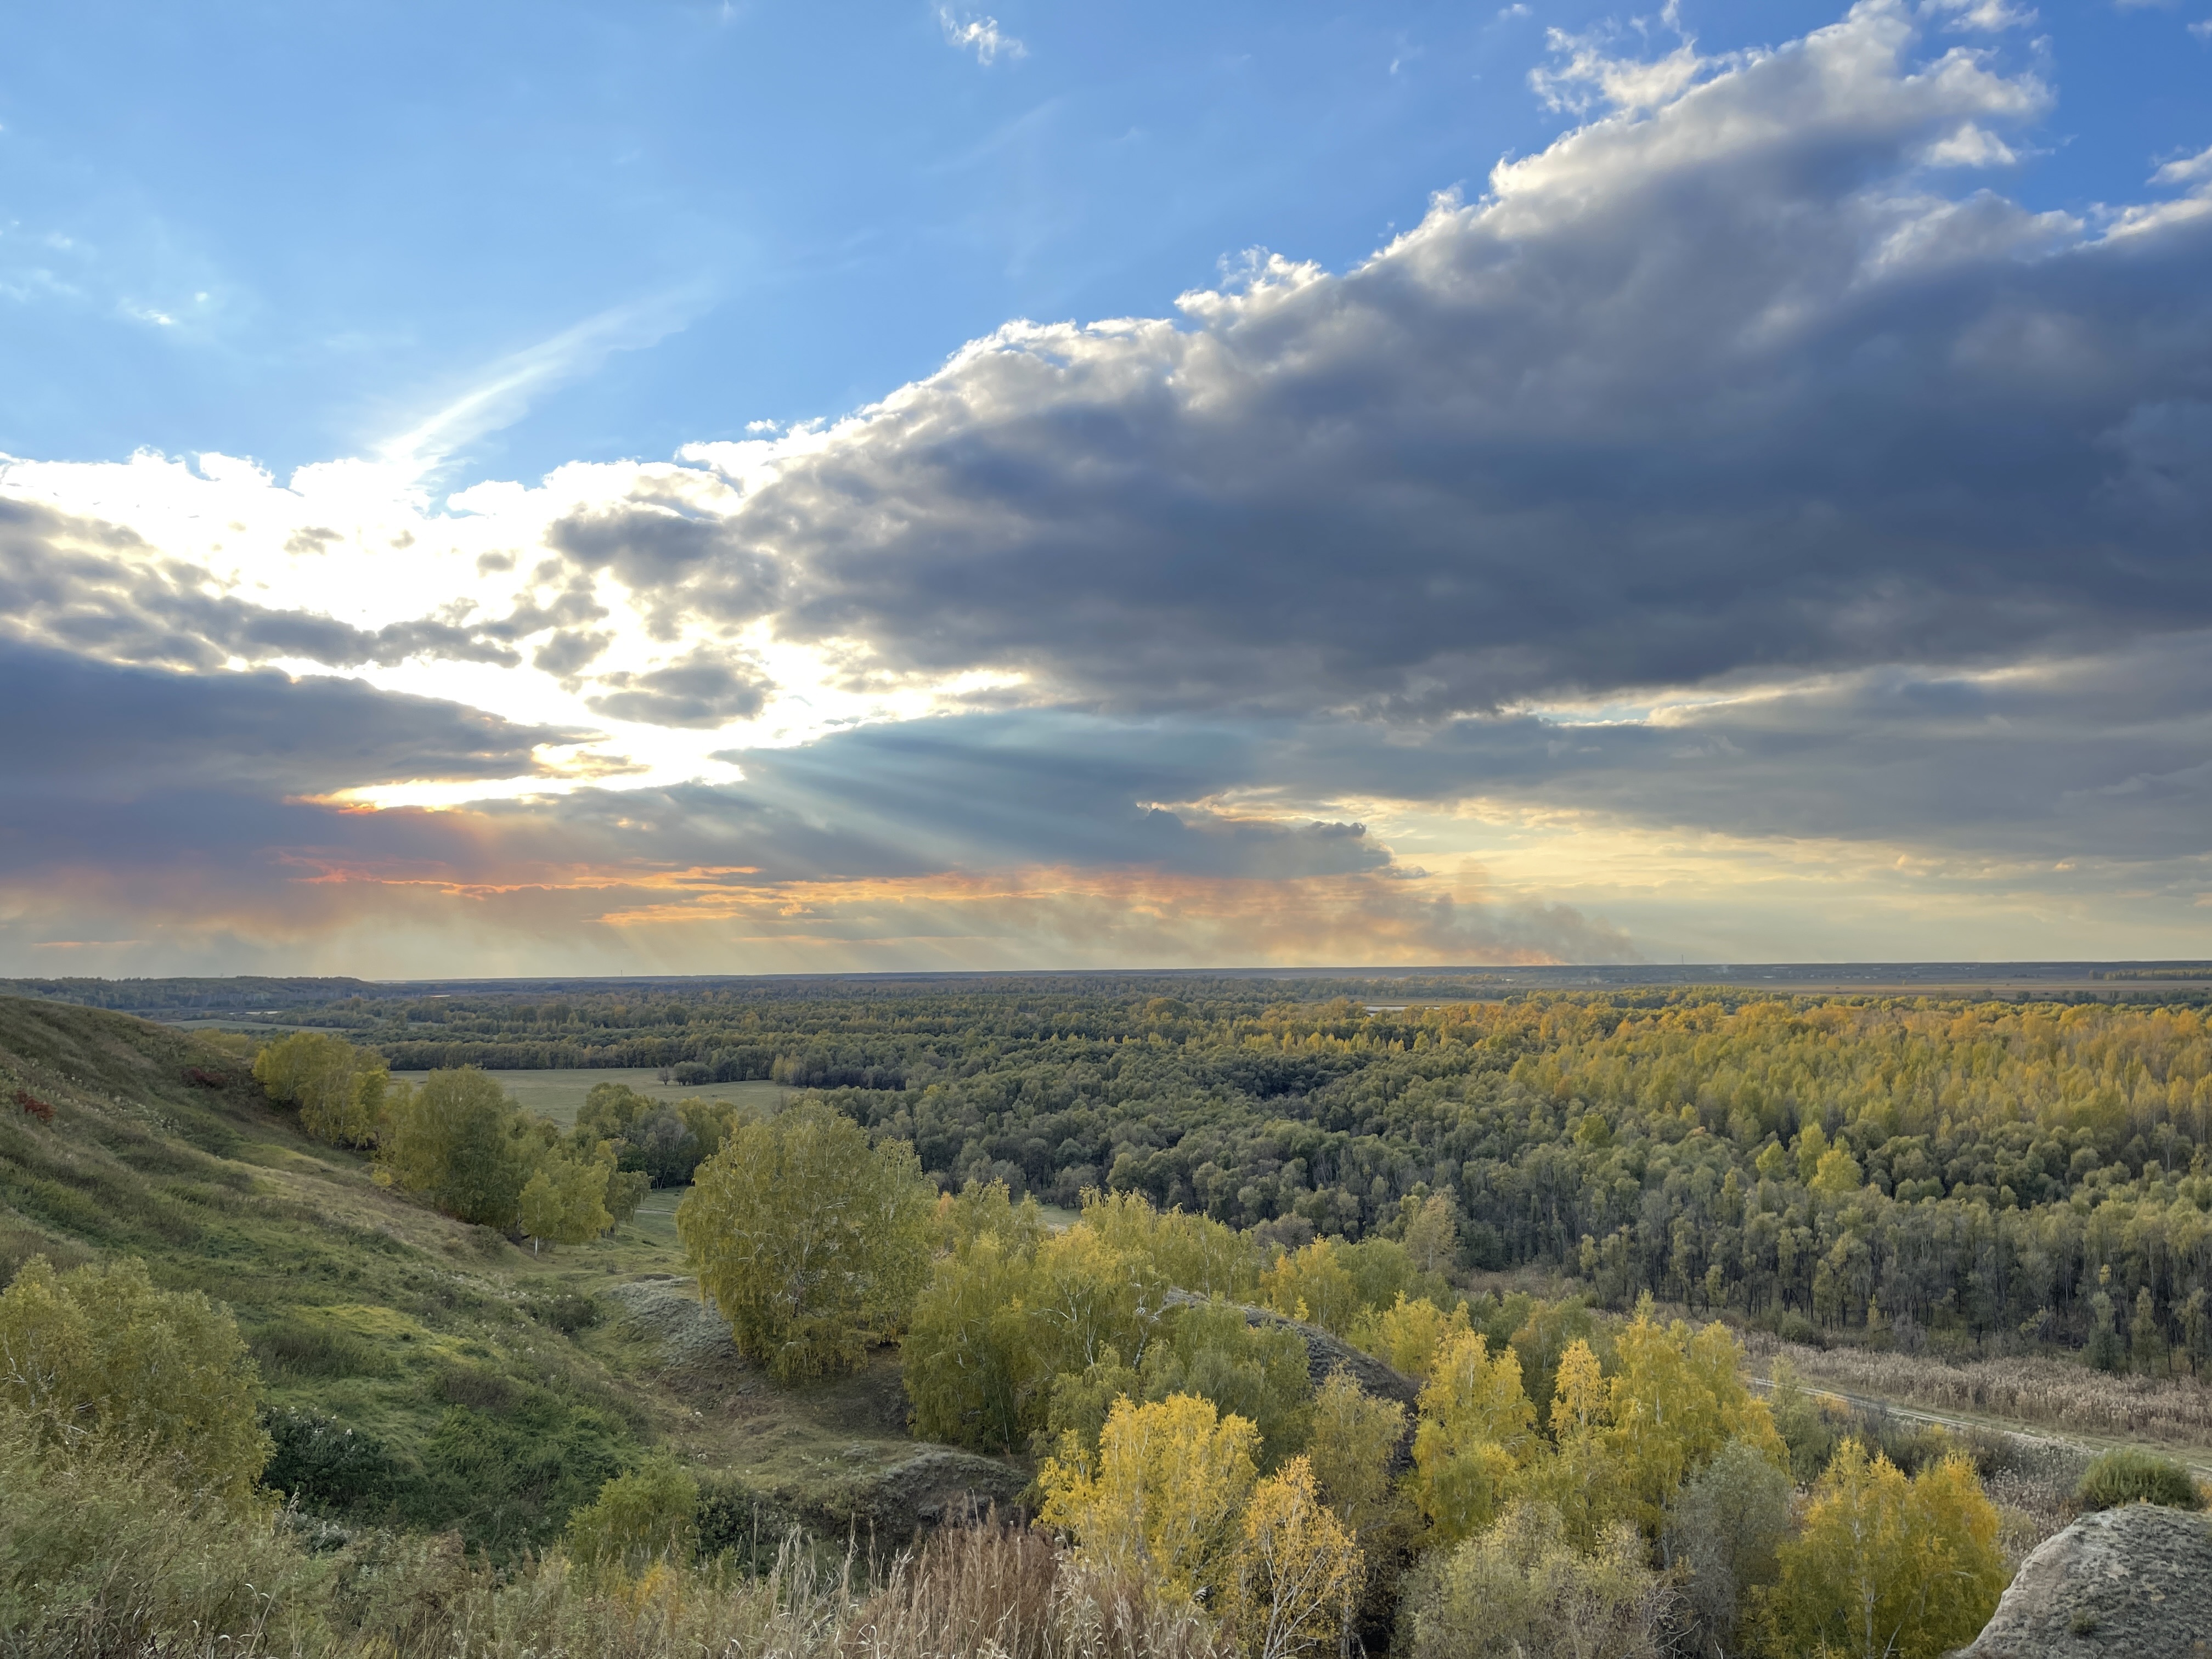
[(37, 1108), (200, 1077)]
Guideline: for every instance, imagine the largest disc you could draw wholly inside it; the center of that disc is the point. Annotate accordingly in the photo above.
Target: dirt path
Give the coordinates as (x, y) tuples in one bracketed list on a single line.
[(2197, 1459)]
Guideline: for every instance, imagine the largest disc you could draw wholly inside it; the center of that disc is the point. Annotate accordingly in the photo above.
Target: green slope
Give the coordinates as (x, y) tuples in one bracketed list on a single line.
[(412, 1374), (419, 1371)]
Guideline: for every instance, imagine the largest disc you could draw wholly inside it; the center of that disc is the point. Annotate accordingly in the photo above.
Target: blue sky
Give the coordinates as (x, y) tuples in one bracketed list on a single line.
[(351, 214), (695, 488)]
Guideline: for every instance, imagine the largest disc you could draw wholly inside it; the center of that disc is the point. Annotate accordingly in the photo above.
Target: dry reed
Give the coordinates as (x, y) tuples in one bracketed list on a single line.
[(2026, 1389)]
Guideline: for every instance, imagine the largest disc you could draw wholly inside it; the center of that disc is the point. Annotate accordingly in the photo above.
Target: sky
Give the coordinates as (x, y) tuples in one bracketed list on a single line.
[(650, 488)]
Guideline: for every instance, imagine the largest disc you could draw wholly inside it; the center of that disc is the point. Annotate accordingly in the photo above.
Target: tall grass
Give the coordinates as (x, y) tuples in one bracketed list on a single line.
[(99, 1561), (2026, 1389)]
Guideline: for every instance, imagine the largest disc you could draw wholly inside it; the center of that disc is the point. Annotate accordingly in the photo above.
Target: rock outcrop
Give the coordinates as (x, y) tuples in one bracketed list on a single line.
[(2133, 1582)]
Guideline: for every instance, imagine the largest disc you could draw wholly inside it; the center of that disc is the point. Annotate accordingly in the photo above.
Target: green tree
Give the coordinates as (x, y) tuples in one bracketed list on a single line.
[(1543, 1338), (100, 1359), (1349, 1448), (565, 1200), (987, 1206), (1082, 1401), (811, 1242), (2147, 1344), (607, 1114), (340, 1089), (2106, 1351), (1258, 1373), (459, 1143), (1192, 1252), (1886, 1567), (1722, 1533)]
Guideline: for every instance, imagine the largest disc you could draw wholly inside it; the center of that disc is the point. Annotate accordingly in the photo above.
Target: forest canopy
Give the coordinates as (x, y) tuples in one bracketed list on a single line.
[(2001, 1170)]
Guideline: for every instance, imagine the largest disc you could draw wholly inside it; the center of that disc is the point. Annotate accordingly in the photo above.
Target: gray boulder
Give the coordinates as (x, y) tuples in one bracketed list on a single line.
[(2133, 1582)]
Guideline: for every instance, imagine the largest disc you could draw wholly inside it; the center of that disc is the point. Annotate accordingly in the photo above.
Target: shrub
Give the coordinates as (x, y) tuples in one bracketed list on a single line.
[(101, 1554), (35, 1107), (294, 1347), (321, 1464), (510, 1479), (1520, 1588), (650, 1514), (2127, 1475), (568, 1312), (100, 1356)]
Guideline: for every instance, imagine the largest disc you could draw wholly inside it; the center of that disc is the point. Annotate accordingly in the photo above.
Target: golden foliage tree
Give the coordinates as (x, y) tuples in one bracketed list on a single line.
[(1409, 1335), (1886, 1567), (1676, 1398), (1164, 1500), (1579, 1478), (812, 1243), (1298, 1570), (1477, 1429), (1312, 1285)]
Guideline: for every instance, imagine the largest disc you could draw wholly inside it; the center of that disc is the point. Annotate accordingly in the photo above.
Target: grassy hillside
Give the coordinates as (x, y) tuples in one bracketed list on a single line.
[(483, 1387)]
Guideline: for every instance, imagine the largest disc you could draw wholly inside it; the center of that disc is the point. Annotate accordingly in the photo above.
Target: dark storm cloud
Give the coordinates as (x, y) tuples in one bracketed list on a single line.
[(78, 727), (2108, 756), (1744, 383), (102, 591)]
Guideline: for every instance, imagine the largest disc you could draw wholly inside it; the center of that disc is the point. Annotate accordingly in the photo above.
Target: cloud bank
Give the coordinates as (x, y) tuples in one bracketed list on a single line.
[(1746, 469)]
